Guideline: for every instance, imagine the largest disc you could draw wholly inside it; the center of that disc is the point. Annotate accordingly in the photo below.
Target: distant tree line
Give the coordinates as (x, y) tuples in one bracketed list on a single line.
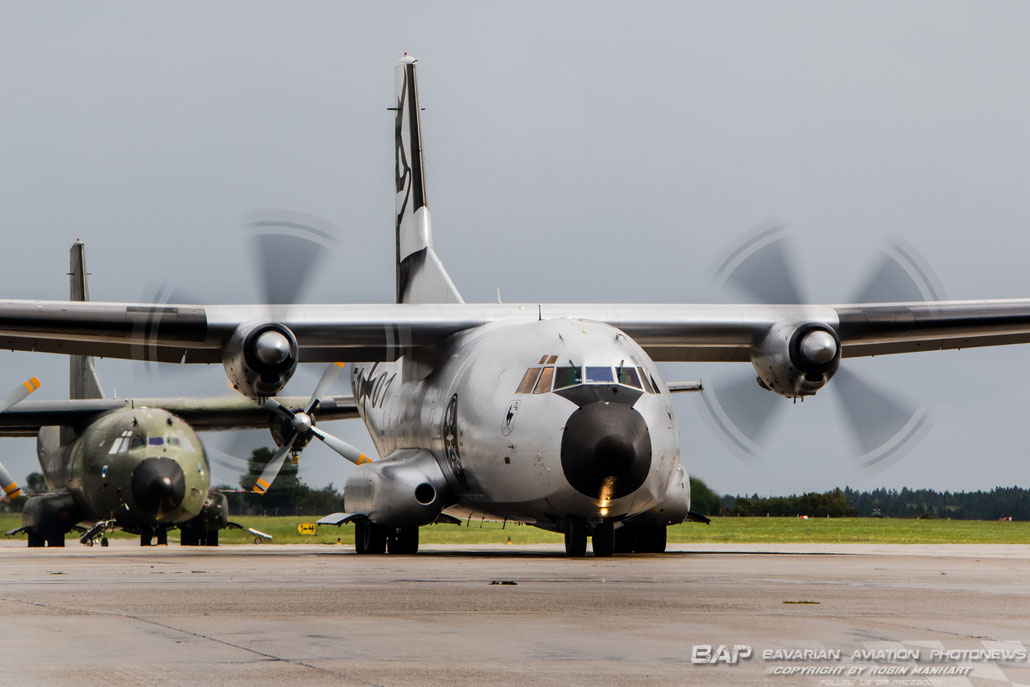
[(997, 503), (289, 494), (830, 504)]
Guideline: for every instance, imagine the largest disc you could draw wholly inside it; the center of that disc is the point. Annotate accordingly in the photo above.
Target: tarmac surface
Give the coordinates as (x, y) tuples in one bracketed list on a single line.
[(274, 614)]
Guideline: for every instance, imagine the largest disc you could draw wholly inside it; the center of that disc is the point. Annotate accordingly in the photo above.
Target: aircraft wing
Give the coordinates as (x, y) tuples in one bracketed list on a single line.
[(230, 412), (368, 333)]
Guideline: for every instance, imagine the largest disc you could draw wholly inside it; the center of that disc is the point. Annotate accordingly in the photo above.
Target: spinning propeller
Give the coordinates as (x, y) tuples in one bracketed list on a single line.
[(287, 248), (882, 424)]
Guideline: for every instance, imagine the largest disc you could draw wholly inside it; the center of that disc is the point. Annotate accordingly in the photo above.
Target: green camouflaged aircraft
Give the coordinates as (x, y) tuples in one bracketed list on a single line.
[(135, 464)]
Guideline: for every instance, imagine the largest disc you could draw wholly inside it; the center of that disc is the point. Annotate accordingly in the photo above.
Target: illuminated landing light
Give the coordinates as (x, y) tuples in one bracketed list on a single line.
[(604, 511)]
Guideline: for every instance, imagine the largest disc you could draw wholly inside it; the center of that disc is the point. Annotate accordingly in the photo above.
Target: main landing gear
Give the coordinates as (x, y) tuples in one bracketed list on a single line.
[(370, 538), (147, 535), (45, 538), (607, 540)]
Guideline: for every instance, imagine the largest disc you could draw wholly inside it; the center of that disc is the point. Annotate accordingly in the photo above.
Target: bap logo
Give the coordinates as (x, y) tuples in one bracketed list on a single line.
[(705, 653)]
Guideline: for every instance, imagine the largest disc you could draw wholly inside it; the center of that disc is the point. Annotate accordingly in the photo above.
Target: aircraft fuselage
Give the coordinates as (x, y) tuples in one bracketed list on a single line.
[(139, 466), (532, 421)]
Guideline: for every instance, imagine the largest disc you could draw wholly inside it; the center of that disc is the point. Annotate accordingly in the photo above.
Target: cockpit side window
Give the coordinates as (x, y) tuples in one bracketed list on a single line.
[(155, 441), (528, 380), (599, 375), (543, 385), (647, 384), (178, 441)]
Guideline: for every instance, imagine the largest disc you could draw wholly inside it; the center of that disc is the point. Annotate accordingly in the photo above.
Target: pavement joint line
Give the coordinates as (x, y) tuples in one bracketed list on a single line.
[(943, 632), (198, 635)]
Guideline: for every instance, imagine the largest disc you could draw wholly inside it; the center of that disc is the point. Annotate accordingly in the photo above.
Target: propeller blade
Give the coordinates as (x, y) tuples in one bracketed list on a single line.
[(761, 267), (287, 248), (329, 377), (899, 275), (741, 410), (18, 393), (238, 466), (884, 426), (274, 406), (346, 450), (157, 360), (8, 486), (264, 482)]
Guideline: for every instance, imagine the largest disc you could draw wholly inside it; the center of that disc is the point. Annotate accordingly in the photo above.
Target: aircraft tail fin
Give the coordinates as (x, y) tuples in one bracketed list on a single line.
[(421, 277), (82, 372)]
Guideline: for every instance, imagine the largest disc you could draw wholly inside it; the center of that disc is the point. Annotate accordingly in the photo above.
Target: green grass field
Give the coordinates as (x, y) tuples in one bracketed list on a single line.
[(726, 530)]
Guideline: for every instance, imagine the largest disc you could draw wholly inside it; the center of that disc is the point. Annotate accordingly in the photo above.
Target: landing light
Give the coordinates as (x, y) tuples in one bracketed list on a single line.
[(604, 511)]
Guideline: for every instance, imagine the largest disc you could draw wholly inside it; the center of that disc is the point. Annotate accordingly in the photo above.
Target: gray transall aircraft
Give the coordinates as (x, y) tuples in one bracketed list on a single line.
[(551, 414), (135, 465)]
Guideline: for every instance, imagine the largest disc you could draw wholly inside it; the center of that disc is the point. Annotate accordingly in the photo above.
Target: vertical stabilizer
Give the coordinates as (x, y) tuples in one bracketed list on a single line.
[(84, 381), (421, 277)]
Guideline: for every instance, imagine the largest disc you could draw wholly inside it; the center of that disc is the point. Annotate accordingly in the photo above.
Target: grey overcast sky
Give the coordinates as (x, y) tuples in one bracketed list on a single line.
[(577, 151)]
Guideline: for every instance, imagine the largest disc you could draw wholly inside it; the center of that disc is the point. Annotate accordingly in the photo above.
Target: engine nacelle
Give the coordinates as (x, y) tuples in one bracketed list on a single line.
[(406, 489), (51, 513), (260, 358), (797, 360)]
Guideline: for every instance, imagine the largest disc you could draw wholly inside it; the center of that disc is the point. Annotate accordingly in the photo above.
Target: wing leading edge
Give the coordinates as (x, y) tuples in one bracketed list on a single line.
[(368, 333), (233, 412)]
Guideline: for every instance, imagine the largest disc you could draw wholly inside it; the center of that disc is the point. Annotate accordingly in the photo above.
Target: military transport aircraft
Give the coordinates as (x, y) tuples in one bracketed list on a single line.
[(551, 414), (135, 465)]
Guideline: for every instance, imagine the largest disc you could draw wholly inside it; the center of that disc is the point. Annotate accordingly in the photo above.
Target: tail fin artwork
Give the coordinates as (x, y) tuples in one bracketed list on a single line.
[(83, 374), (421, 277)]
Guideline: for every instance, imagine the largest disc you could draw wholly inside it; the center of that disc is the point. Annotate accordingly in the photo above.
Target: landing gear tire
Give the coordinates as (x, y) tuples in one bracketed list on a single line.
[(369, 538), (359, 537), (404, 541), (36, 540), (625, 539), (162, 537), (146, 537), (55, 540), (575, 538), (603, 540), (651, 539), (211, 538), (188, 537), (103, 541)]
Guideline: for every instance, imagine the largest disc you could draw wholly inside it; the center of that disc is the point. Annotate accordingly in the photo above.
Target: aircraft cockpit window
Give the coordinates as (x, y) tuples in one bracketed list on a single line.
[(155, 441), (629, 377), (543, 385), (646, 383), (599, 375), (566, 376), (121, 443), (179, 442), (128, 441), (528, 380)]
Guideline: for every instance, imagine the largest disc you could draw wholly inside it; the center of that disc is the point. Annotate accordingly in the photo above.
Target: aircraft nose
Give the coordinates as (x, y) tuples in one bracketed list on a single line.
[(158, 485), (606, 450)]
